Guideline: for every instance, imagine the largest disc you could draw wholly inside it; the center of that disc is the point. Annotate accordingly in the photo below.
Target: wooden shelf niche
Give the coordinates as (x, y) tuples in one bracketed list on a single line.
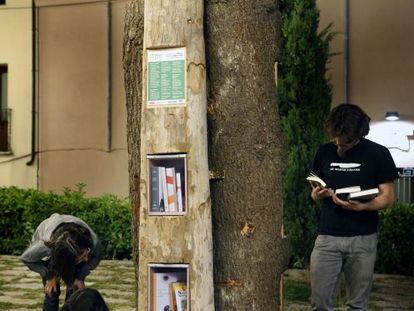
[(168, 187), (169, 287)]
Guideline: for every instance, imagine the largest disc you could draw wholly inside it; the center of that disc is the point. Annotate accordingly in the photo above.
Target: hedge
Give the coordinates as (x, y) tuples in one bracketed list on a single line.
[(21, 211), (396, 240)]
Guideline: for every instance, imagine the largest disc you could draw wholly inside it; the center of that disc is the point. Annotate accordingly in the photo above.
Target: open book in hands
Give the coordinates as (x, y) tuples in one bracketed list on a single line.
[(315, 180)]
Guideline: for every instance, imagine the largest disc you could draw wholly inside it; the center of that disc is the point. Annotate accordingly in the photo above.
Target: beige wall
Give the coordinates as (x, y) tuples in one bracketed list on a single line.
[(118, 91), (381, 66), (73, 75), (15, 51), (73, 79)]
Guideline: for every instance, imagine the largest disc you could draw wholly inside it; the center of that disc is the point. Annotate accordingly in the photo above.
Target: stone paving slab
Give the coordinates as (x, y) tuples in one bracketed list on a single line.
[(117, 301), (23, 286), (14, 271), (12, 294), (125, 309), (114, 292), (19, 301)]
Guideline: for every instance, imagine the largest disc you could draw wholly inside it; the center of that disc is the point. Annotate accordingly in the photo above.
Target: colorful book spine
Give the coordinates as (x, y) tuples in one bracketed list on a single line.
[(178, 296), (171, 189), (164, 189), (179, 193)]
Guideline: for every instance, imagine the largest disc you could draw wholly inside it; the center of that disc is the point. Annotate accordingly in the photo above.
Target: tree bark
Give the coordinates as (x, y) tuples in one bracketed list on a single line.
[(184, 239), (246, 149), (132, 61)]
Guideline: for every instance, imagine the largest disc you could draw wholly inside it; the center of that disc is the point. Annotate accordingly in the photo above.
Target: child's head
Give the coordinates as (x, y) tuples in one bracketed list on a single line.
[(87, 299)]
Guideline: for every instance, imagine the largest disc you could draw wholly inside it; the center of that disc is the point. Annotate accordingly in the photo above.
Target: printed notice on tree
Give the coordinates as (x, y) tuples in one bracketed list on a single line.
[(166, 77)]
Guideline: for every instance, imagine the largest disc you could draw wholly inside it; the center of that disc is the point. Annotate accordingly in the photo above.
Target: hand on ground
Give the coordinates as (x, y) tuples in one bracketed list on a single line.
[(51, 285)]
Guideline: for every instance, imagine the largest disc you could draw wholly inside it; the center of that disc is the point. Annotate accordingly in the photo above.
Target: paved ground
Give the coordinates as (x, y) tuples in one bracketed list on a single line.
[(21, 289), (389, 292)]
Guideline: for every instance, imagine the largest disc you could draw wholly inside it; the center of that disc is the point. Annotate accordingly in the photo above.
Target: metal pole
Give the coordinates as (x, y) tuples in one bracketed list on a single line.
[(33, 147), (346, 53), (109, 86)]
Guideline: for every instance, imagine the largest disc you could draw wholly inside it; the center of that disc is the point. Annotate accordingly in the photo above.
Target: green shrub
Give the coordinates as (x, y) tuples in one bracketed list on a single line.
[(396, 240), (296, 291), (22, 210), (304, 101)]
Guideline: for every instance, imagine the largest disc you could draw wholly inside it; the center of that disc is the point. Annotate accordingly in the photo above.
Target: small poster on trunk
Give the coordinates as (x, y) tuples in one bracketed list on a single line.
[(166, 77)]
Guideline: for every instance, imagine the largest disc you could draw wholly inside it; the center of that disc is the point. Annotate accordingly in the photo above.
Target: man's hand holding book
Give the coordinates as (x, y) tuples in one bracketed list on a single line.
[(350, 198)]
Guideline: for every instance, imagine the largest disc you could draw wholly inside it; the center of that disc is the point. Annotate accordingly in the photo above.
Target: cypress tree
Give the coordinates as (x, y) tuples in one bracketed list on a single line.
[(304, 100)]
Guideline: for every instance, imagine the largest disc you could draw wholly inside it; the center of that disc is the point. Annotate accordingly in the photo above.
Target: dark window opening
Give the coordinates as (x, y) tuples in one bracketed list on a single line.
[(404, 186), (2, 2), (4, 112)]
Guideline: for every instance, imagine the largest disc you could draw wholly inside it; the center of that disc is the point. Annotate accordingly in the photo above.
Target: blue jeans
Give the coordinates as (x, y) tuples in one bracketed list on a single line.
[(355, 256)]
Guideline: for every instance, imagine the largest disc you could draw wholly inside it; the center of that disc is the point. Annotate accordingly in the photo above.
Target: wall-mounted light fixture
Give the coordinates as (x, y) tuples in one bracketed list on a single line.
[(392, 116)]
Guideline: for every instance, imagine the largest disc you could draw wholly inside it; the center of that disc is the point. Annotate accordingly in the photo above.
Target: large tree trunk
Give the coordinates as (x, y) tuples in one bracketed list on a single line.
[(132, 60), (245, 149), (160, 239)]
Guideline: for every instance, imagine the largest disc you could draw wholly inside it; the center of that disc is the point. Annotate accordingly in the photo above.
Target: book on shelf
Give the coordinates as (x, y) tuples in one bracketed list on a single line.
[(315, 180), (179, 192), (166, 190), (161, 283), (157, 200), (355, 193), (178, 296), (171, 189), (154, 190), (161, 287)]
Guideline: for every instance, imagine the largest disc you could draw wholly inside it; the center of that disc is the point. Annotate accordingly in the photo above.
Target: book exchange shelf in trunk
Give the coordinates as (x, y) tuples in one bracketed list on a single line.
[(167, 186), (175, 231)]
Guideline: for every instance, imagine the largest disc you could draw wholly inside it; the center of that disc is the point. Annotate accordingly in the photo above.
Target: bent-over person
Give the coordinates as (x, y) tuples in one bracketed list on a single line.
[(63, 247)]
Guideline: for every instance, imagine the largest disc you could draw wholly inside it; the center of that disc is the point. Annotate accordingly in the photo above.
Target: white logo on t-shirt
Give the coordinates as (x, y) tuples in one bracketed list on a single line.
[(335, 166)]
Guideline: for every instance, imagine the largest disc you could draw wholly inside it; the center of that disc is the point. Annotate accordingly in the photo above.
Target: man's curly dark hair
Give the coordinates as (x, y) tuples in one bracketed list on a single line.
[(347, 121)]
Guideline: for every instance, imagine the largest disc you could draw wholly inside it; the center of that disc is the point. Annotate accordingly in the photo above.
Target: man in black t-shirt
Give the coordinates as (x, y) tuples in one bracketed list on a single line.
[(347, 237)]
